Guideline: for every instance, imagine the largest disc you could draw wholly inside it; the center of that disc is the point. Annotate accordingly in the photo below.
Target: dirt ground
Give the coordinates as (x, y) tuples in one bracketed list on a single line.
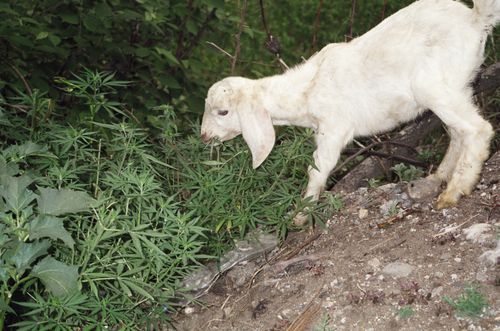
[(385, 262)]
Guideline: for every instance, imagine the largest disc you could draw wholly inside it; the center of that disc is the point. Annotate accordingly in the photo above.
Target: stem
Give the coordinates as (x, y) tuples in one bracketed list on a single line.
[(9, 296), (238, 36)]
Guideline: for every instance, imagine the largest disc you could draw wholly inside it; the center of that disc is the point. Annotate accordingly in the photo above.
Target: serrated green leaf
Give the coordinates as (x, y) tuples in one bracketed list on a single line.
[(24, 254), (57, 202), (15, 192), (59, 278), (52, 227), (29, 148), (7, 169)]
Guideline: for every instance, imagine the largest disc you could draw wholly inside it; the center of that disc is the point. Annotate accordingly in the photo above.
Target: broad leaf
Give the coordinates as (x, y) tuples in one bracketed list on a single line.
[(24, 254), (25, 150), (15, 192), (50, 226), (60, 279), (7, 169), (58, 202)]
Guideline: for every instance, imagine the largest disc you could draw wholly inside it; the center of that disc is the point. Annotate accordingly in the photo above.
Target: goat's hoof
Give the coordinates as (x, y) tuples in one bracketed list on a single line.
[(300, 219), (447, 199)]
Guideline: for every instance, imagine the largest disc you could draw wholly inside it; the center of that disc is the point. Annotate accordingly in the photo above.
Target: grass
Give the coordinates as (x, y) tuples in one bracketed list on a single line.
[(405, 312), (471, 303), (324, 324)]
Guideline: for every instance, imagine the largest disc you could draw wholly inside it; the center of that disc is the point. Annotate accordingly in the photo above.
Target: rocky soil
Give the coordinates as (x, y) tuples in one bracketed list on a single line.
[(387, 261)]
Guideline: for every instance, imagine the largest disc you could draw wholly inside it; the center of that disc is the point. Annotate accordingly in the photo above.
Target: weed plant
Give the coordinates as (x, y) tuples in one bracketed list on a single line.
[(136, 209), (471, 303)]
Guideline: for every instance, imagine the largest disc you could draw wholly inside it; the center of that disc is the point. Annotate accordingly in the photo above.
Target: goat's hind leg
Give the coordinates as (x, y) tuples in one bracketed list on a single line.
[(469, 146)]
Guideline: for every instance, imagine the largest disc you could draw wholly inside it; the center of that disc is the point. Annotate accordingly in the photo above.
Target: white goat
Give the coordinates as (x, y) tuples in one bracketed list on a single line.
[(423, 57)]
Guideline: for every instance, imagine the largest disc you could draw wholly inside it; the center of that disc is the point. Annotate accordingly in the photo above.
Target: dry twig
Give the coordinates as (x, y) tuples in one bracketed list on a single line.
[(237, 51)]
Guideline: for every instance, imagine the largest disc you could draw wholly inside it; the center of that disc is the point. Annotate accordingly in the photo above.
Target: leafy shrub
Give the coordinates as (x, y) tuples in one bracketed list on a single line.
[(162, 202)]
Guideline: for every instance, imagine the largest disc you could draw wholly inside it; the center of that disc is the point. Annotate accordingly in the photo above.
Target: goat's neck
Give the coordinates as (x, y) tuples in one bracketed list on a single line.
[(284, 96)]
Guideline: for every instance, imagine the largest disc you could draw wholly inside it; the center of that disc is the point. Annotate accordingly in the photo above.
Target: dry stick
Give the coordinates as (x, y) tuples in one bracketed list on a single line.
[(180, 39), (271, 44), (382, 16), (351, 24), (389, 156), (303, 321), (193, 42), (367, 148), (238, 36), (316, 26), (21, 77), (219, 49)]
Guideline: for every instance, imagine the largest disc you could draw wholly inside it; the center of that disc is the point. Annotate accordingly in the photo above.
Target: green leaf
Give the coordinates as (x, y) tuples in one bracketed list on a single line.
[(92, 23), (69, 18), (7, 169), (15, 192), (42, 35), (168, 55), (5, 307), (49, 226), (142, 51), (59, 278), (55, 40), (57, 202), (24, 254), (29, 148)]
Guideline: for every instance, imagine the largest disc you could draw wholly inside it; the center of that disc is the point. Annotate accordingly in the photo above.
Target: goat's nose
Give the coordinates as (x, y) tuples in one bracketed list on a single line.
[(204, 137)]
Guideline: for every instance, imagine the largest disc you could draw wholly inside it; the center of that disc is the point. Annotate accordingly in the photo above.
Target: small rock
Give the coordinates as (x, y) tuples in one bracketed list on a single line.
[(436, 292), (454, 277), (481, 276), (189, 310), (493, 256), (398, 269), (374, 263), (241, 274), (445, 256), (457, 259), (423, 188), (362, 213), (478, 233), (389, 207)]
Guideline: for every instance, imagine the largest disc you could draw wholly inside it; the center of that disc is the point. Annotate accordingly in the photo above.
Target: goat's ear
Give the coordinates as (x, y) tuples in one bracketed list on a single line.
[(258, 131)]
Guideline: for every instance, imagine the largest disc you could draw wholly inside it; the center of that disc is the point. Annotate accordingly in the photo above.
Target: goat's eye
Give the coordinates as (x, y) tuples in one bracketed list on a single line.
[(223, 112)]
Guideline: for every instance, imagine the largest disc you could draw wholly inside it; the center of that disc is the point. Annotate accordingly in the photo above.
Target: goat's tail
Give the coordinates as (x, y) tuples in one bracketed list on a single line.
[(487, 12)]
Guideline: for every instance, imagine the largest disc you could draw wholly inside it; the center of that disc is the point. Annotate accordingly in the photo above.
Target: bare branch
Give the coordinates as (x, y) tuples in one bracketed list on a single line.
[(238, 36)]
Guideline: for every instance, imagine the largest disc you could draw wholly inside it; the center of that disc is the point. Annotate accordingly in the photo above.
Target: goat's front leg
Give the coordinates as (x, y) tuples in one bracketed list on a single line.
[(326, 155)]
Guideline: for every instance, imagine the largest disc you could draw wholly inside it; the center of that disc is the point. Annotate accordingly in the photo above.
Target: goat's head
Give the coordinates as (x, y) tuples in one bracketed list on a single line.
[(232, 108)]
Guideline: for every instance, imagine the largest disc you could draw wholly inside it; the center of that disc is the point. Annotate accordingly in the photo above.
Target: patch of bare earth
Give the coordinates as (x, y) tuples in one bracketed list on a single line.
[(384, 262)]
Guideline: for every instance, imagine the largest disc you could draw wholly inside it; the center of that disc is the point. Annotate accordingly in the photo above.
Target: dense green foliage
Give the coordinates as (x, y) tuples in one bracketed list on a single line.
[(105, 185)]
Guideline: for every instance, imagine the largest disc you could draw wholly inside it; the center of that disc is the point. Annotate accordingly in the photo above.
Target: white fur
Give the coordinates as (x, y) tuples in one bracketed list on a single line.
[(423, 57)]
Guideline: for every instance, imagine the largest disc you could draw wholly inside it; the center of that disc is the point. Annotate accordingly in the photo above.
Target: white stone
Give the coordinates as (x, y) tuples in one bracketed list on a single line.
[(398, 269)]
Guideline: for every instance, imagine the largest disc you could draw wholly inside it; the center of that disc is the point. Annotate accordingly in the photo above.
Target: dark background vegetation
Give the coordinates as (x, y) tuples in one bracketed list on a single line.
[(100, 102)]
